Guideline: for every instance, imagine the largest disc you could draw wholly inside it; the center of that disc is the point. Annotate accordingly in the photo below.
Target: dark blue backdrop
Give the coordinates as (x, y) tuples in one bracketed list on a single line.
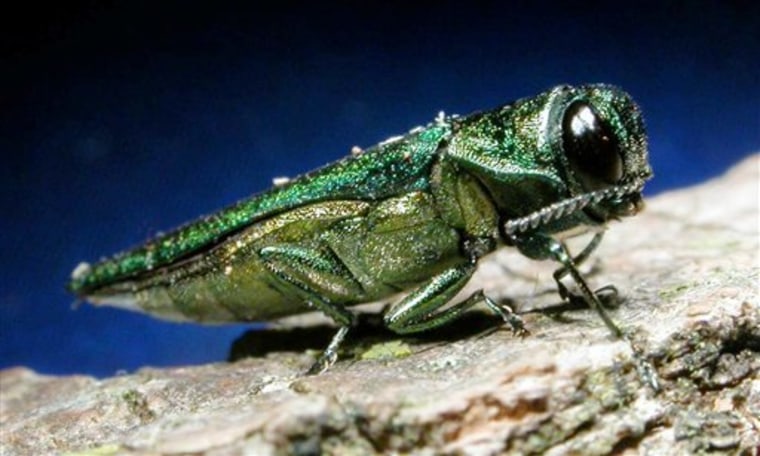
[(118, 120)]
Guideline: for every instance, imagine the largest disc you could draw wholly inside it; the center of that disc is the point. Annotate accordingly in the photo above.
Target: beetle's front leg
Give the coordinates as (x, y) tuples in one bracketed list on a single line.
[(539, 246), (314, 275), (577, 260), (421, 309)]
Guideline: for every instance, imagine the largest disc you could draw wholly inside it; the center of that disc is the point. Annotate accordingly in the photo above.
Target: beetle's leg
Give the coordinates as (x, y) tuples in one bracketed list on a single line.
[(420, 310), (559, 252), (577, 260), (314, 275), (330, 355), (538, 246)]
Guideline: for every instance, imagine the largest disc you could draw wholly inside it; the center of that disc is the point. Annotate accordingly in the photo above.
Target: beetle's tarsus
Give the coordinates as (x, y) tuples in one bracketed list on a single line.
[(508, 315)]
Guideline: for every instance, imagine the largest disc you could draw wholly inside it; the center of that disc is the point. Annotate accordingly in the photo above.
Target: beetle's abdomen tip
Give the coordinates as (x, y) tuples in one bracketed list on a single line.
[(81, 270), (77, 278)]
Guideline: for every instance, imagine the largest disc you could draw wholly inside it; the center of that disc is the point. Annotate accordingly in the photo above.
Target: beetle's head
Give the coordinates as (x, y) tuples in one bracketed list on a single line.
[(600, 131)]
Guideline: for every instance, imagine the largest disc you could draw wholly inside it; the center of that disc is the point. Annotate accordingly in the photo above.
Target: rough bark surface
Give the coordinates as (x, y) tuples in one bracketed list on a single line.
[(687, 271)]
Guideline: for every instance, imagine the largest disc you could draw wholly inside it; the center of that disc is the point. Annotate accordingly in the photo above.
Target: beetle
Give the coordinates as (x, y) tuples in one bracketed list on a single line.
[(412, 214)]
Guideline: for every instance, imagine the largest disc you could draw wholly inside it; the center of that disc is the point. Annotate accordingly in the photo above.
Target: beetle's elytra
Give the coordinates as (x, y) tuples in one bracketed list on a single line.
[(414, 213)]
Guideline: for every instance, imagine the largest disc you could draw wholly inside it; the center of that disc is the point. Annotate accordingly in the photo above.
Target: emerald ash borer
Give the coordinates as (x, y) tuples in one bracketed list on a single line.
[(412, 214)]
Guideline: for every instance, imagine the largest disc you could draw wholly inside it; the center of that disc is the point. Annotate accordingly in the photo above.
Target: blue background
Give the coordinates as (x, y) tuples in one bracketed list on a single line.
[(118, 120)]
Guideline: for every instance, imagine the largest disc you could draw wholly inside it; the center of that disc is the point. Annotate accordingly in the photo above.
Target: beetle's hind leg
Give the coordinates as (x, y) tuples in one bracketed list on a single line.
[(320, 279)]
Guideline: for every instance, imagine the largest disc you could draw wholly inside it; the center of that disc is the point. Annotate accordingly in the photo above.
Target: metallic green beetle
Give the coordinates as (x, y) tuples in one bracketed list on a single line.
[(414, 213)]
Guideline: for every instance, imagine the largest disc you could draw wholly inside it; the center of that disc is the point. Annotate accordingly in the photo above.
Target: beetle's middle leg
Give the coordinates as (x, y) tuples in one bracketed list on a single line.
[(421, 309), (318, 277)]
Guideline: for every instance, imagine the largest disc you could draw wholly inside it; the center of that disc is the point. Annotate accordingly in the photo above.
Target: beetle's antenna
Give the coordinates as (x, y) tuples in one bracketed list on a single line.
[(566, 207)]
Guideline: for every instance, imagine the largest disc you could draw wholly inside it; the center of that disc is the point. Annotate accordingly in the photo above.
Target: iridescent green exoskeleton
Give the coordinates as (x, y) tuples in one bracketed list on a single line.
[(413, 214)]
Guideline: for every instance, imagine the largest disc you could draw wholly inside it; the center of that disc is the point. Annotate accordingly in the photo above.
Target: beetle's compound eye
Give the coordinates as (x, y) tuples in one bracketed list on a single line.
[(591, 147)]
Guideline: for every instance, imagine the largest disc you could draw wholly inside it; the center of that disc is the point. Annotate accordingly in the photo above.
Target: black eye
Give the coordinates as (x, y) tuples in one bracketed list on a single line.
[(591, 147)]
